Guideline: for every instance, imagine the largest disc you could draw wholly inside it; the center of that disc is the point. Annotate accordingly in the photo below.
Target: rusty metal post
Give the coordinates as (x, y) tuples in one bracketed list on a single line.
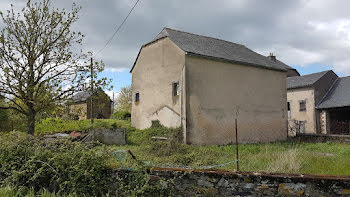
[(237, 156)]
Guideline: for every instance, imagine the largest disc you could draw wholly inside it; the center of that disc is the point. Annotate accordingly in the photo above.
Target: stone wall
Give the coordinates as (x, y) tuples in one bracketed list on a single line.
[(225, 183), (325, 122), (313, 138), (107, 136)]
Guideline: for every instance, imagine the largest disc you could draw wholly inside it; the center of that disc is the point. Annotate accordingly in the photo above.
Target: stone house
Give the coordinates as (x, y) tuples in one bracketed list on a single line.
[(319, 103), (80, 107), (202, 84)]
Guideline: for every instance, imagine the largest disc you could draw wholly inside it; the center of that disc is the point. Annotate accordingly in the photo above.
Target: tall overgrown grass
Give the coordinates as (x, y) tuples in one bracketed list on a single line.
[(312, 158)]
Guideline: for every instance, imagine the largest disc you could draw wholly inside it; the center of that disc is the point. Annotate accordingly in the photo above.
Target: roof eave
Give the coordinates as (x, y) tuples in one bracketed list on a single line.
[(233, 61), (304, 86), (332, 107)]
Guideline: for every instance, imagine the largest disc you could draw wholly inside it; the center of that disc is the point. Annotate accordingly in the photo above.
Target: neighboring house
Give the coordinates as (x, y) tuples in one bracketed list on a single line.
[(81, 105), (202, 84), (335, 108), (304, 94)]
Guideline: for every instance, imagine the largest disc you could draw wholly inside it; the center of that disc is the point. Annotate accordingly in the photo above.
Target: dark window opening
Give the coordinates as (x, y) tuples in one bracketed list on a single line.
[(288, 109), (137, 97), (175, 89), (288, 106), (339, 121), (302, 105)]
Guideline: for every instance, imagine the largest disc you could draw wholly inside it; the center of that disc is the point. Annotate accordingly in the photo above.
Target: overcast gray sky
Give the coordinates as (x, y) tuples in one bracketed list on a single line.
[(298, 32)]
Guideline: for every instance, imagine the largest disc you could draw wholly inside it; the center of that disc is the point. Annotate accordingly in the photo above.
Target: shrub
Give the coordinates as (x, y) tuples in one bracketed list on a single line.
[(121, 115), (156, 124), (32, 166), (55, 125), (60, 166)]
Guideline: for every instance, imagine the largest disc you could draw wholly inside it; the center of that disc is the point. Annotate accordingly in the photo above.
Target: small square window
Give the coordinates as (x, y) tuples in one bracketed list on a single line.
[(137, 97), (302, 105), (175, 89)]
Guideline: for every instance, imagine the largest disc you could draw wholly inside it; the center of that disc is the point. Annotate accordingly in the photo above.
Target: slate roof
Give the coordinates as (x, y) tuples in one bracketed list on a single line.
[(84, 95), (305, 80), (214, 48), (338, 96), (81, 96)]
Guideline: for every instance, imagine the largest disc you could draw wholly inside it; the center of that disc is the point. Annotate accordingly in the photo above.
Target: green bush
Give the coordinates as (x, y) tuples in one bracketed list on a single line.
[(55, 125), (121, 115), (59, 166), (30, 166)]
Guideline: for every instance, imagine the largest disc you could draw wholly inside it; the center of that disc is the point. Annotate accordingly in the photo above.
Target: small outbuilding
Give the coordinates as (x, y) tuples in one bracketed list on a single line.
[(80, 107)]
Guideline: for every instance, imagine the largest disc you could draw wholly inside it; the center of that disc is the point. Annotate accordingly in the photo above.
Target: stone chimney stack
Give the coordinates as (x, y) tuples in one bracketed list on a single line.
[(272, 57)]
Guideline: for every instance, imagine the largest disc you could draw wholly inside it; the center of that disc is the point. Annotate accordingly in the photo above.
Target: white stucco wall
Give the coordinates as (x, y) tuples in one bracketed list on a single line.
[(159, 65)]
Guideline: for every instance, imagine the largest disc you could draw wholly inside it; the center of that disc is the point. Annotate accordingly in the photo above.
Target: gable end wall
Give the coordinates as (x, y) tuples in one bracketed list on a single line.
[(159, 64), (216, 89)]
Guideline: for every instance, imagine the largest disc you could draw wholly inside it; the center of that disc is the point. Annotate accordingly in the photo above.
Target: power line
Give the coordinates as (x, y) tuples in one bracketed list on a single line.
[(116, 31)]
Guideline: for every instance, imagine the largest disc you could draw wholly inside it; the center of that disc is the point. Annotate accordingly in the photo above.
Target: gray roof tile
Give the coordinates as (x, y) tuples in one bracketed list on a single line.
[(81, 96), (84, 95), (304, 80), (220, 49), (338, 96)]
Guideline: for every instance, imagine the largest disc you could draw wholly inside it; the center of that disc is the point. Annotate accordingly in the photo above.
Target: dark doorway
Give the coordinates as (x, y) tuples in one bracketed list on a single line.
[(340, 121)]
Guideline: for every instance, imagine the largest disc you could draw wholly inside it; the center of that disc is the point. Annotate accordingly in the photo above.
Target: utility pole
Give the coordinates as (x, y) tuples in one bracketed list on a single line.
[(113, 104), (92, 92)]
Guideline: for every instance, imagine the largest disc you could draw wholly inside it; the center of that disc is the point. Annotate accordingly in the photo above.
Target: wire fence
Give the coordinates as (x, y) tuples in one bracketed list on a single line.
[(251, 140)]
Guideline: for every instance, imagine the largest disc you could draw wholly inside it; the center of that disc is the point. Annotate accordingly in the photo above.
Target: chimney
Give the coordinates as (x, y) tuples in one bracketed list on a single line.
[(272, 57)]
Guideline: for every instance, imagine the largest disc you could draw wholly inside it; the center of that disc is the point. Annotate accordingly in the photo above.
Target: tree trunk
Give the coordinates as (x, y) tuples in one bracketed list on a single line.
[(31, 124)]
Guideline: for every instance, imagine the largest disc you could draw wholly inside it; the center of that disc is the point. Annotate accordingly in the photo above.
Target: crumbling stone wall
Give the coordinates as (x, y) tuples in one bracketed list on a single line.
[(224, 183)]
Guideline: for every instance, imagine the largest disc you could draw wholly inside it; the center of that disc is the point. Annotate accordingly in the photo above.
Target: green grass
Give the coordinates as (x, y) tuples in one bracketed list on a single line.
[(10, 192), (305, 158), (283, 157)]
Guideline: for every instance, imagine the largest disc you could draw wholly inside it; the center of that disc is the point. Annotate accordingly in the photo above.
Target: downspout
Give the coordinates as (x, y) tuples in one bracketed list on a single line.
[(181, 105)]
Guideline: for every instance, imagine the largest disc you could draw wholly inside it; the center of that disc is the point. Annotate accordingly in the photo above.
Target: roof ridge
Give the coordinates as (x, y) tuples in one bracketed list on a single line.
[(325, 71), (204, 36), (242, 45)]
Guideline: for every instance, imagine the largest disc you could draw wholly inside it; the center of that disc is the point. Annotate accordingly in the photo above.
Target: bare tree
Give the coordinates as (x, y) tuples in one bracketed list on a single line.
[(38, 66)]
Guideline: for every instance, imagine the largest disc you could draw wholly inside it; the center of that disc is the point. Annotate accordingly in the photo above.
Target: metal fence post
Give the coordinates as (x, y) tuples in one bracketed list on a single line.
[(237, 157)]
